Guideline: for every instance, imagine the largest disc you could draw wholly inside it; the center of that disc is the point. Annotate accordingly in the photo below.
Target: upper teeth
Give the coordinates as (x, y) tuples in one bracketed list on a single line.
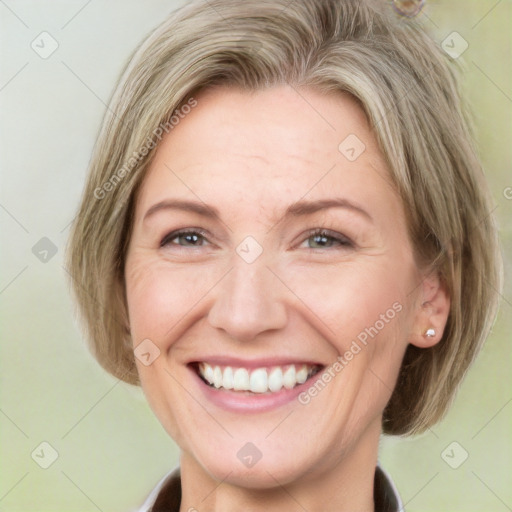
[(259, 380)]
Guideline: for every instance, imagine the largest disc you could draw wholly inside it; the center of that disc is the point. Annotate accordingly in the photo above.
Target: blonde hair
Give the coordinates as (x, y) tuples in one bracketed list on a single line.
[(409, 92)]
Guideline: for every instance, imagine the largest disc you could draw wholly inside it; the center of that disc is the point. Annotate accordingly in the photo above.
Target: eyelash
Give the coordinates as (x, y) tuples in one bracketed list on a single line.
[(171, 236), (341, 240)]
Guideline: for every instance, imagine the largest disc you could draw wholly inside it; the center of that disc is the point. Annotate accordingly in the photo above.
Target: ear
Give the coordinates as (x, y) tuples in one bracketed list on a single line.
[(432, 312)]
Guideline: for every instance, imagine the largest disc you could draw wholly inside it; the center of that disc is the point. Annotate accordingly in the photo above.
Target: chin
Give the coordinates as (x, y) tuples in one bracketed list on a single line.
[(270, 471)]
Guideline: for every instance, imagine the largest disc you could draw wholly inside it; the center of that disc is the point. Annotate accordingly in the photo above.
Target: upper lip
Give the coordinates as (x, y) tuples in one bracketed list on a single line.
[(253, 363)]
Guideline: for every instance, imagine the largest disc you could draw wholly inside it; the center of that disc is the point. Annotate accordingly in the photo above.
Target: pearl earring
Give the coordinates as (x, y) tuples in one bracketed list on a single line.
[(430, 333)]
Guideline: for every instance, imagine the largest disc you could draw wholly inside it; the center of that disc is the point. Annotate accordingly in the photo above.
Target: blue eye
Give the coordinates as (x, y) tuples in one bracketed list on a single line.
[(324, 239), (185, 238), (317, 239)]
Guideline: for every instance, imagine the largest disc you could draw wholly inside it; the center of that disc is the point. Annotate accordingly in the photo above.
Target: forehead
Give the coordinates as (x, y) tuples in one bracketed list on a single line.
[(268, 148), (281, 121)]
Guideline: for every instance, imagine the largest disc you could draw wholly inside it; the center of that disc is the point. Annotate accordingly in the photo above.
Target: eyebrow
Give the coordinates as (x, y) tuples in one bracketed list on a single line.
[(296, 209), (188, 206), (308, 207)]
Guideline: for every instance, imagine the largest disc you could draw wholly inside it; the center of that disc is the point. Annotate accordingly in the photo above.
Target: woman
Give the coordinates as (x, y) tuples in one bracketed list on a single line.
[(285, 239)]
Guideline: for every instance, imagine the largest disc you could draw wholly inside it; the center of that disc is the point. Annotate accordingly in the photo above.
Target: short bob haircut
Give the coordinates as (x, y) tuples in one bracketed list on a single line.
[(409, 92)]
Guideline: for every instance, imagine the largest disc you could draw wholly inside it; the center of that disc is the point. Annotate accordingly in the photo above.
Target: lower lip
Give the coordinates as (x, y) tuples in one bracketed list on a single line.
[(246, 402)]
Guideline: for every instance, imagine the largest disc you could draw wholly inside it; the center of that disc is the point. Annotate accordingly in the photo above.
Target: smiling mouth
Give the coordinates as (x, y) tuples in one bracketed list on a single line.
[(258, 380)]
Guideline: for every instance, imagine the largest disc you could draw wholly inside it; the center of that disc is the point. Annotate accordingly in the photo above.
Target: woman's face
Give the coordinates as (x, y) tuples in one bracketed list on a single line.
[(269, 244)]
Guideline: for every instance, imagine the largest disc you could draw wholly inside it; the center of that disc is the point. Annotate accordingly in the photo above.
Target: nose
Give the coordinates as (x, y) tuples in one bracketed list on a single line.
[(248, 302)]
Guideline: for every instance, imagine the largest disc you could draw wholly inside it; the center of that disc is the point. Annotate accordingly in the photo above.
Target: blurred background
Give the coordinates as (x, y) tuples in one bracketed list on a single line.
[(72, 438)]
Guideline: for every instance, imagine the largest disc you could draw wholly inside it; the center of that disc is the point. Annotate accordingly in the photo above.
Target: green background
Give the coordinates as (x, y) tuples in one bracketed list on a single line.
[(111, 449)]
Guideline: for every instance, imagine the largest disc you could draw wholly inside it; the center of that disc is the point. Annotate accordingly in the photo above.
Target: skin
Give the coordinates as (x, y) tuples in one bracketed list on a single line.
[(250, 156)]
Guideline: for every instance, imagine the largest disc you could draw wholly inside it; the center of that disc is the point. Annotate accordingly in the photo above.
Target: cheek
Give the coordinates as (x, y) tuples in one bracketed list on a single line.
[(149, 299), (354, 296), (161, 295), (361, 309)]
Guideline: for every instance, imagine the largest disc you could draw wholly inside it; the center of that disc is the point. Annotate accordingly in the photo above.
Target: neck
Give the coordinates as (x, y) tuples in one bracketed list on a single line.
[(342, 484)]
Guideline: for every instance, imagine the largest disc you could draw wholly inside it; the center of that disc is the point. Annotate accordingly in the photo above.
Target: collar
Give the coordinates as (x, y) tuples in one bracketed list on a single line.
[(166, 496)]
